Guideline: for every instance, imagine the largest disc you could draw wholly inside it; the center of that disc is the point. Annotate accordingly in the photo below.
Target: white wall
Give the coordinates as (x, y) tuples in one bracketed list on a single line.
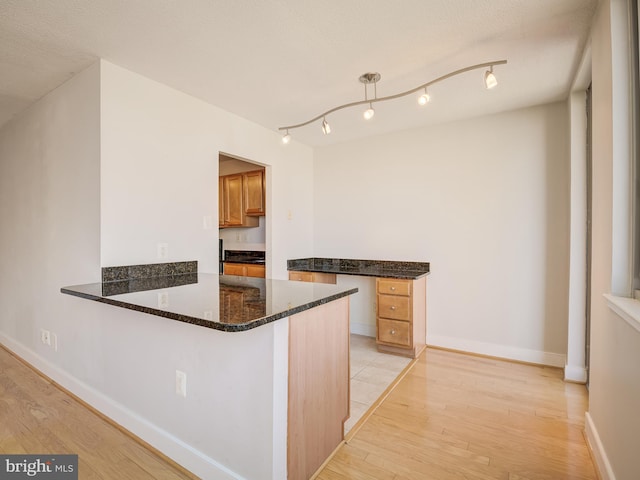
[(486, 202), (96, 174), (159, 175), (614, 388), (50, 215)]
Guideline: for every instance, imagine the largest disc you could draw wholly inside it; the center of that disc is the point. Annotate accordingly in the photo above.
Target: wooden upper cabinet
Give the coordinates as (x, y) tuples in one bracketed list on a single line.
[(232, 202), (234, 211), (254, 198), (241, 199)]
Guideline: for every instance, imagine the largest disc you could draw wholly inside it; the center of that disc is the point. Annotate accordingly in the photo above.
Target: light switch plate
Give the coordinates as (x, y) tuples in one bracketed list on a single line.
[(181, 383), (163, 251)]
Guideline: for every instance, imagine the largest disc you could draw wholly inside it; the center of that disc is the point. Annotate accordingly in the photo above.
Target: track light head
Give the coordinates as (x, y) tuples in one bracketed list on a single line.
[(424, 98), (490, 80), (286, 138), (369, 113), (326, 128)]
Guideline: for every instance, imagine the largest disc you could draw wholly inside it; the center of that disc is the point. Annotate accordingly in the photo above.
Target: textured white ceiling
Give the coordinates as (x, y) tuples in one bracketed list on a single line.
[(281, 62)]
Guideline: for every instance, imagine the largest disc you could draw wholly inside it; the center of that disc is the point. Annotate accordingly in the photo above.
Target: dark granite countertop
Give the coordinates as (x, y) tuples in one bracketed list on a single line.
[(244, 256), (221, 302), (367, 268)]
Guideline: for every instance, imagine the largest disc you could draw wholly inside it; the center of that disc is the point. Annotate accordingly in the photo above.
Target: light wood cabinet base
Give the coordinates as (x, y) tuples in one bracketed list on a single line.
[(244, 270), (401, 316), (318, 386)]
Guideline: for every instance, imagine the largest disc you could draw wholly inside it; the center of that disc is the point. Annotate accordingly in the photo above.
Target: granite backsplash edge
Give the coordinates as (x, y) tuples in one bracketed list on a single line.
[(150, 270)]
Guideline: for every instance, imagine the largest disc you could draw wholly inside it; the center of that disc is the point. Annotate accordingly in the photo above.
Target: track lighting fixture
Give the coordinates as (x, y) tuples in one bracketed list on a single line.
[(326, 128), (372, 78), (490, 80), (424, 98)]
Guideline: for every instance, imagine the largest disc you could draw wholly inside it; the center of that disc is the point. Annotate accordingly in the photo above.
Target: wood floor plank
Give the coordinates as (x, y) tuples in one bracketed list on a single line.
[(457, 416)]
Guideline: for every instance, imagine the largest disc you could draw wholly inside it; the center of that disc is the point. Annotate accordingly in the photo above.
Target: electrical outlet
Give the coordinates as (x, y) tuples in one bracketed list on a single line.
[(207, 222), (45, 336), (163, 251), (181, 383), (208, 314), (54, 341)]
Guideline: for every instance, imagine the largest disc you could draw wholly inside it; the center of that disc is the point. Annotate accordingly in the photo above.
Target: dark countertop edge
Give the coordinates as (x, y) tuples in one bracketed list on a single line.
[(244, 262), (406, 275), (405, 270), (225, 327)]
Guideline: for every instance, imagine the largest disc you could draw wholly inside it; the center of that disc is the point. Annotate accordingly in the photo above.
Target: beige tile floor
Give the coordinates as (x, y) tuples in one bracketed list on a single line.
[(371, 373)]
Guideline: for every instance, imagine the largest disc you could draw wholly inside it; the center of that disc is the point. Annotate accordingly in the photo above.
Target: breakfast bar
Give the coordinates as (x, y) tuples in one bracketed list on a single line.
[(272, 369)]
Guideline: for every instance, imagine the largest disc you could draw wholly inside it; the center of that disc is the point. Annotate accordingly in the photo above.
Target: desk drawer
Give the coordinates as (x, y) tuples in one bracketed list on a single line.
[(393, 286), (395, 307), (394, 332)]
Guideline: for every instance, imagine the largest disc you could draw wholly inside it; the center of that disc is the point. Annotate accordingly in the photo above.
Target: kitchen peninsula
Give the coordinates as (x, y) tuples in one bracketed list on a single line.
[(401, 311), (278, 389)]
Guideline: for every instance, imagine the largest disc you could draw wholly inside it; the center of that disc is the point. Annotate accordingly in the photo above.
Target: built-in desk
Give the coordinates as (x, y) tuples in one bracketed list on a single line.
[(400, 296)]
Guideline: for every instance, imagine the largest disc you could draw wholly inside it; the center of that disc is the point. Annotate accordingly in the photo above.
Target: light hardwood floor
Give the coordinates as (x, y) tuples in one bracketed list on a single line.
[(456, 416), (36, 417), (453, 416)]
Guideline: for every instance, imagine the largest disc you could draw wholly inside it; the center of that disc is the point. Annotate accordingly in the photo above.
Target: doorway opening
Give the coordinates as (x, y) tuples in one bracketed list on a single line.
[(242, 213)]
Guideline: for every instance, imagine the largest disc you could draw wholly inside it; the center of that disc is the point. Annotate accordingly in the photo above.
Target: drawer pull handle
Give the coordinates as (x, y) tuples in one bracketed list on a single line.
[(393, 289), (392, 307), (393, 332)]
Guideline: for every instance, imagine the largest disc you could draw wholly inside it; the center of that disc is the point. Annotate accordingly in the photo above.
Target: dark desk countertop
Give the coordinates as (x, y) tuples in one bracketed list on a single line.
[(221, 302), (368, 268)]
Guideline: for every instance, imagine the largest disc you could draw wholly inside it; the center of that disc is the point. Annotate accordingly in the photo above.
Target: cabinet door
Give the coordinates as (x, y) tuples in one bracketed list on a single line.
[(233, 205), (235, 269), (255, 271), (254, 193)]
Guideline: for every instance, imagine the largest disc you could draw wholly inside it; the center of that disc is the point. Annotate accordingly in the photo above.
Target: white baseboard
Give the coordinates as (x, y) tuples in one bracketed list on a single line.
[(575, 374), (365, 329), (174, 448), (595, 444), (500, 351)]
